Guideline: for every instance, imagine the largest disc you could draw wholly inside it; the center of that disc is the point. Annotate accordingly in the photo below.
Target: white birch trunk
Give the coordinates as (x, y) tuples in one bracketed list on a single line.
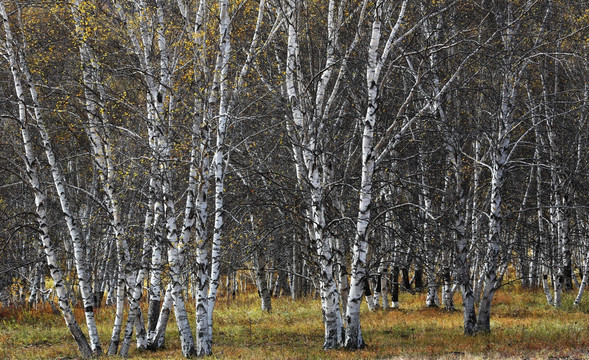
[(447, 286), (475, 226), (396, 253), (40, 198), (585, 275), (153, 227), (490, 269), (353, 335), (58, 179), (155, 267), (432, 299), (308, 128), (383, 283), (541, 227), (353, 339), (219, 159), (135, 317), (162, 321), (261, 283), (175, 262), (499, 161), (328, 289), (462, 263), (500, 155), (557, 218), (74, 232), (120, 308), (158, 86), (99, 139), (203, 340), (343, 283)]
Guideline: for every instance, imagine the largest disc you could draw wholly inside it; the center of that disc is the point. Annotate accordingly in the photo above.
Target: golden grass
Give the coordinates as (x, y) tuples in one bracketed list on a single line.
[(523, 326)]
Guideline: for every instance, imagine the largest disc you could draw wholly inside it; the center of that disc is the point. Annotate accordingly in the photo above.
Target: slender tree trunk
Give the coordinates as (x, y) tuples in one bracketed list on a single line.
[(384, 286), (462, 261), (219, 160), (297, 266), (40, 197), (120, 308), (308, 125), (353, 335), (18, 62), (260, 269), (495, 215), (447, 286), (162, 321)]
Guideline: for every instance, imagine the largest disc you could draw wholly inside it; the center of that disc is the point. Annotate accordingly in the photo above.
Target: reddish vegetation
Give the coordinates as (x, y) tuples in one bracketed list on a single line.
[(522, 326)]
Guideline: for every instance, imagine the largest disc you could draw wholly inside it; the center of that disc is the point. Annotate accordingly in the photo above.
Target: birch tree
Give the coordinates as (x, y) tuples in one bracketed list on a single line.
[(374, 150), (158, 76), (99, 136), (214, 101), (310, 108), (502, 147), (374, 67), (25, 79), (31, 164)]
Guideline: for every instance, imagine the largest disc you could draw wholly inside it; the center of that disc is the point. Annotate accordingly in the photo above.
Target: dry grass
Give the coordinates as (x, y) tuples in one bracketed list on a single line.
[(523, 326)]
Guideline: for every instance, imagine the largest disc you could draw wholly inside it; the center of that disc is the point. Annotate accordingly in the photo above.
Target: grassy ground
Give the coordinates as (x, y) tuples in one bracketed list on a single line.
[(523, 326)]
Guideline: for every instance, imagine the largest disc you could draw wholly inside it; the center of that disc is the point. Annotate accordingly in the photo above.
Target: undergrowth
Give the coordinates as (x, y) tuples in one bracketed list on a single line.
[(523, 326)]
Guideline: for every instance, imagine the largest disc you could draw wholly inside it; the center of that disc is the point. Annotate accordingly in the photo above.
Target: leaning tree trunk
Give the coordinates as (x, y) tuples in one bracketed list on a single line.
[(162, 320), (17, 61), (40, 197)]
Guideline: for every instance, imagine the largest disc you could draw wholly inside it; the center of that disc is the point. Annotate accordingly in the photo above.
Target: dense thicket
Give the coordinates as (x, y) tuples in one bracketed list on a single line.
[(153, 150)]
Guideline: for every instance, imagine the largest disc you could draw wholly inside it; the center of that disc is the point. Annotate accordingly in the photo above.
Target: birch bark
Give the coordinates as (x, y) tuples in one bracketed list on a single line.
[(499, 158), (307, 131), (98, 134), (376, 61), (585, 275), (220, 156), (81, 262), (31, 165)]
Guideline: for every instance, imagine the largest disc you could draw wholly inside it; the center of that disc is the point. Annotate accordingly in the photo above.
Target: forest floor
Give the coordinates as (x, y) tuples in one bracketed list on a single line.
[(523, 326)]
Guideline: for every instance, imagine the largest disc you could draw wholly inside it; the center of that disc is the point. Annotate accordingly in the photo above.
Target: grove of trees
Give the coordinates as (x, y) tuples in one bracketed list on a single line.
[(153, 149)]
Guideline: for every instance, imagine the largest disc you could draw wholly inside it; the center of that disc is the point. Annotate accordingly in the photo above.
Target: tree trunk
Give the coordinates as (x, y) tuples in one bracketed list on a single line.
[(17, 64), (395, 288), (158, 340), (260, 269)]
